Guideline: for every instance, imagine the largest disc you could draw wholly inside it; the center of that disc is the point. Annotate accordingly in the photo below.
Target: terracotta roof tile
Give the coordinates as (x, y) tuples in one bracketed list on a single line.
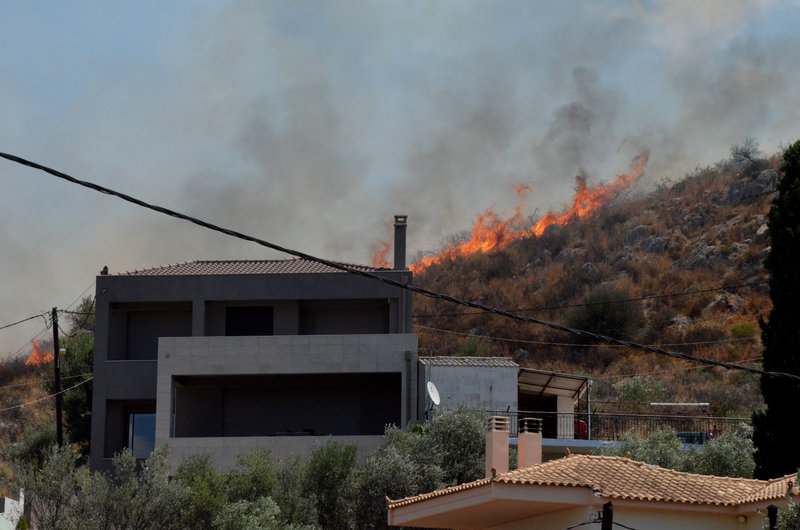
[(487, 362), (622, 478), (225, 267)]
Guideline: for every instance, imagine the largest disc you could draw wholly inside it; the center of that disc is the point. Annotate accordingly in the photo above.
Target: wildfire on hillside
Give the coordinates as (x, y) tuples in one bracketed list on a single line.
[(491, 232), (39, 356)]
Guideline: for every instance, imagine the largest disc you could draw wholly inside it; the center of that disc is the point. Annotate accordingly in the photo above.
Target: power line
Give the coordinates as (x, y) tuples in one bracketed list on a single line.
[(620, 301), (31, 383), (375, 276), (17, 354), (21, 321), (655, 372), (48, 396), (575, 344), (80, 296)]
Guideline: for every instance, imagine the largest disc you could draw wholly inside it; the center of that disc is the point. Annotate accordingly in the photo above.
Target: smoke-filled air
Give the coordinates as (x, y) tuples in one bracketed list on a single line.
[(311, 124)]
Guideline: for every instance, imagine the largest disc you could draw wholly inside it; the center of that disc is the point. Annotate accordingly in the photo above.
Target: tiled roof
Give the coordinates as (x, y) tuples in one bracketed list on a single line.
[(614, 477), (485, 362), (224, 267)]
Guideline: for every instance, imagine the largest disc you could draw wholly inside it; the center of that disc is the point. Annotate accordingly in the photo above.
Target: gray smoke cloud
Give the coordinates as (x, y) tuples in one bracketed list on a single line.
[(310, 125)]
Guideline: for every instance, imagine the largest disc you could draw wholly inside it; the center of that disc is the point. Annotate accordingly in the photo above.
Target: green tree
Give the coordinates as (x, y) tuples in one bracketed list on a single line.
[(77, 368), (639, 389), (33, 448), (776, 430), (329, 481), (77, 365), (662, 448), (602, 312), (389, 472), (297, 508), (728, 455), (207, 490), (460, 438), (50, 489)]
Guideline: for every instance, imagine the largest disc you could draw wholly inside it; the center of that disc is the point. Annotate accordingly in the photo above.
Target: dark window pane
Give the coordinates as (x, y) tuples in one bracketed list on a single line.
[(141, 434), (248, 321)]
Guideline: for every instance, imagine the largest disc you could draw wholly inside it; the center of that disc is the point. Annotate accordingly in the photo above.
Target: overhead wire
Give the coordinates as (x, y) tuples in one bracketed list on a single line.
[(673, 370), (48, 396), (607, 302), (40, 381), (21, 321), (80, 296), (576, 344), (376, 276)]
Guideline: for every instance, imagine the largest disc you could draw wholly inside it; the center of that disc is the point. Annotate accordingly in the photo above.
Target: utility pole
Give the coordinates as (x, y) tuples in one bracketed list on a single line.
[(608, 516), (57, 370)]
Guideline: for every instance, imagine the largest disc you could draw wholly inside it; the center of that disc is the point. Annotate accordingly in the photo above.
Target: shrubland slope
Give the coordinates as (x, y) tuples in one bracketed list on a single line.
[(679, 267)]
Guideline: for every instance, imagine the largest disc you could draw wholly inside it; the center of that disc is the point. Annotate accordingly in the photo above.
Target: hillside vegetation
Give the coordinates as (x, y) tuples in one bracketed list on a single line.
[(690, 255)]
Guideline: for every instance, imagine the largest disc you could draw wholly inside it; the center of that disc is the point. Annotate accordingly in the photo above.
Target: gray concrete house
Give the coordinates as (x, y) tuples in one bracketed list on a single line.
[(222, 357)]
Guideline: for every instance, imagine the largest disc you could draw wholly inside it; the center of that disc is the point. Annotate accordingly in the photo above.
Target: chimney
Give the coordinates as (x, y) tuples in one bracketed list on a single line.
[(497, 428), (400, 242), (529, 442)]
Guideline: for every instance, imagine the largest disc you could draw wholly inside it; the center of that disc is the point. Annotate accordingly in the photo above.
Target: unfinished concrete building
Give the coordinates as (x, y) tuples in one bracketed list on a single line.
[(221, 357)]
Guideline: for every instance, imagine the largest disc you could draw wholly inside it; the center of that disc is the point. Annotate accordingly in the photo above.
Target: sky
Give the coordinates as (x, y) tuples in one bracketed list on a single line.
[(310, 124)]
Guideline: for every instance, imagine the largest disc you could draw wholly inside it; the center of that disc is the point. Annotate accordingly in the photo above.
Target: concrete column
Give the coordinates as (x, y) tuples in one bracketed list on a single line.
[(565, 406), (497, 428), (198, 317)]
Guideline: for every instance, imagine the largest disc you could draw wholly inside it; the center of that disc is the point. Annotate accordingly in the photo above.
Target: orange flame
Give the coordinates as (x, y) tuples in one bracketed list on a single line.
[(491, 233), (379, 251), (39, 356)]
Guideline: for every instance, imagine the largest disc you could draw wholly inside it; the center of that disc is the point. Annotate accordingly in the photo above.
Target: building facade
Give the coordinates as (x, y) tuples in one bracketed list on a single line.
[(221, 357)]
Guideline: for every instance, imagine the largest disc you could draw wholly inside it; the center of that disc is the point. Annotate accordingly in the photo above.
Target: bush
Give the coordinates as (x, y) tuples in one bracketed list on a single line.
[(601, 312), (460, 439), (329, 482), (729, 455), (639, 389), (388, 473), (33, 448), (744, 330), (296, 506)]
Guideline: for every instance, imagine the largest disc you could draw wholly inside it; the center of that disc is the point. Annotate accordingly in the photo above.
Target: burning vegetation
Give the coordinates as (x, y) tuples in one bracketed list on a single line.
[(39, 356), (491, 233)]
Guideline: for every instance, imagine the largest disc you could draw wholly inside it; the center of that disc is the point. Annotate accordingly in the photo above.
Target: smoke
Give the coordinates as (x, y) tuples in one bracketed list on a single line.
[(310, 125)]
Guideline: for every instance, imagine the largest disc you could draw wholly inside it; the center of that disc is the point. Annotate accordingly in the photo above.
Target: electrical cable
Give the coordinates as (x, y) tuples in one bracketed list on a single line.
[(48, 396), (80, 296), (376, 276), (21, 321), (31, 383), (18, 354), (656, 372), (621, 301), (575, 344), (85, 320)]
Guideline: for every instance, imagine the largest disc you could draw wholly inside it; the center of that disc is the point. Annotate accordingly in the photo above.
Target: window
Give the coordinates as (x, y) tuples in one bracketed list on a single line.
[(141, 434), (243, 321)]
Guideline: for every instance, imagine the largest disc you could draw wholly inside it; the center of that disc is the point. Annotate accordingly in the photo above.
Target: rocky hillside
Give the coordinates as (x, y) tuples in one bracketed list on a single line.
[(680, 267)]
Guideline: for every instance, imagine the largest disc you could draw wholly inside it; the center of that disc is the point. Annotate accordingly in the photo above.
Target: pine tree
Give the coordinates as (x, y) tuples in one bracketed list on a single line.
[(777, 429)]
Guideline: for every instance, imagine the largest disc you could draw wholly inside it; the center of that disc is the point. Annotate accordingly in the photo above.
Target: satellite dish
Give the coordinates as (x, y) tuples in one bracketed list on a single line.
[(433, 393)]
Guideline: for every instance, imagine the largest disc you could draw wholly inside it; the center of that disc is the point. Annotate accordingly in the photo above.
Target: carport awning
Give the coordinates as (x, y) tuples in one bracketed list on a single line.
[(540, 383)]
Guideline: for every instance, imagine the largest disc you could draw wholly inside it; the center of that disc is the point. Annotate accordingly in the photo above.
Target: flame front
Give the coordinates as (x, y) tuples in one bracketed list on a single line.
[(39, 356), (491, 233)]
